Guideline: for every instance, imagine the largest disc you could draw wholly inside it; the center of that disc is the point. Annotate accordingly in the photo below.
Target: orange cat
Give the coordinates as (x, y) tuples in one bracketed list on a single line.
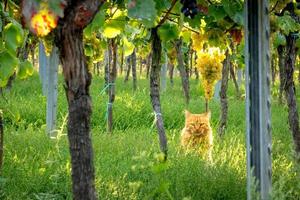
[(197, 132)]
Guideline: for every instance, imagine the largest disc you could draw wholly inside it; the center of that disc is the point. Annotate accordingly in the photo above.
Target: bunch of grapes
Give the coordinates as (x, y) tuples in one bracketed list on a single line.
[(189, 8), (209, 63), (236, 35), (198, 41), (172, 55)]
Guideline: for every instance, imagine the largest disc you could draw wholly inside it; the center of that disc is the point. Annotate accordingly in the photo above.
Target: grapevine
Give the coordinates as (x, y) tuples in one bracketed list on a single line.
[(189, 8), (209, 63)]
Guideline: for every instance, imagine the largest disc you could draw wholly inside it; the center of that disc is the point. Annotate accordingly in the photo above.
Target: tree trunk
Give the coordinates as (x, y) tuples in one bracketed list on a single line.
[(111, 82), (223, 95), (196, 73), (133, 65), (149, 63), (236, 85), (191, 52), (196, 70), (154, 89), (171, 74), (1, 139), (290, 92), (106, 67), (128, 63), (69, 40), (141, 66), (273, 71), (122, 62), (280, 51), (183, 71)]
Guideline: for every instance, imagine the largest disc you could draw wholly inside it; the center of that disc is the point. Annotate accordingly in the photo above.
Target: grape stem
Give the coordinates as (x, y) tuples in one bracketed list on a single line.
[(206, 105), (167, 13), (171, 13)]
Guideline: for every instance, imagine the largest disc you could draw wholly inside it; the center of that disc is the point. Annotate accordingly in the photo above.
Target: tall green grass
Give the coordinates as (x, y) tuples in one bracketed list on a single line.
[(127, 162)]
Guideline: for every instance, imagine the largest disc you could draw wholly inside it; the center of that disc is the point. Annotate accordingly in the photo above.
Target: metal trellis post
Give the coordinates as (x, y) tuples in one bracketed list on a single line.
[(257, 55)]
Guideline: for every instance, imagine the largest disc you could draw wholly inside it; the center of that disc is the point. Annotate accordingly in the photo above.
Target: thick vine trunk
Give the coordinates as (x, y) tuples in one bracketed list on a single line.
[(191, 52), (106, 67), (111, 82), (122, 62), (223, 95), (129, 66), (273, 71), (69, 40), (183, 71), (149, 63), (290, 92), (233, 76), (154, 89), (196, 73), (133, 66), (141, 66), (280, 51), (1, 139)]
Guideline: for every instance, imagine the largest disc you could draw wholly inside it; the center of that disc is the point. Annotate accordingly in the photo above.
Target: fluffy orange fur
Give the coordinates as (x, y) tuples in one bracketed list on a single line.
[(197, 132)]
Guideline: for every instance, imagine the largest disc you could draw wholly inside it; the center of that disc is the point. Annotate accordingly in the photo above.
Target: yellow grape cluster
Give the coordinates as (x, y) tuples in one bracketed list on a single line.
[(209, 63), (172, 55), (198, 41)]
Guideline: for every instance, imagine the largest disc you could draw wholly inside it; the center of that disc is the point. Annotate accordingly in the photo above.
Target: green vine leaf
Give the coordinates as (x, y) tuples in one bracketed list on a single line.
[(8, 65), (25, 69), (168, 32), (13, 36)]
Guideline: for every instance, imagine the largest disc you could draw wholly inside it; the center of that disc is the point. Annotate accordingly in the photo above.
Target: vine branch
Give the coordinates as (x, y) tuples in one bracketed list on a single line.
[(186, 27), (274, 7), (167, 13)]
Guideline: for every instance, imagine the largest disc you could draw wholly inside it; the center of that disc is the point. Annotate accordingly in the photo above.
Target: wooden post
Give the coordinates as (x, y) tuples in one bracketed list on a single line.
[(257, 55), (52, 71)]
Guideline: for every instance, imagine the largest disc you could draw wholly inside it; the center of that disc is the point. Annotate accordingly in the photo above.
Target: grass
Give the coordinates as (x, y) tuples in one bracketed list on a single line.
[(127, 162)]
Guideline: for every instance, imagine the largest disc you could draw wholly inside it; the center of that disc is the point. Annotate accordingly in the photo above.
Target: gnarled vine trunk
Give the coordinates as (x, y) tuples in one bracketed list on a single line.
[(148, 66), (128, 63), (290, 92), (111, 83), (69, 40), (122, 62), (183, 71), (154, 89), (233, 76), (280, 51), (223, 94), (133, 66)]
